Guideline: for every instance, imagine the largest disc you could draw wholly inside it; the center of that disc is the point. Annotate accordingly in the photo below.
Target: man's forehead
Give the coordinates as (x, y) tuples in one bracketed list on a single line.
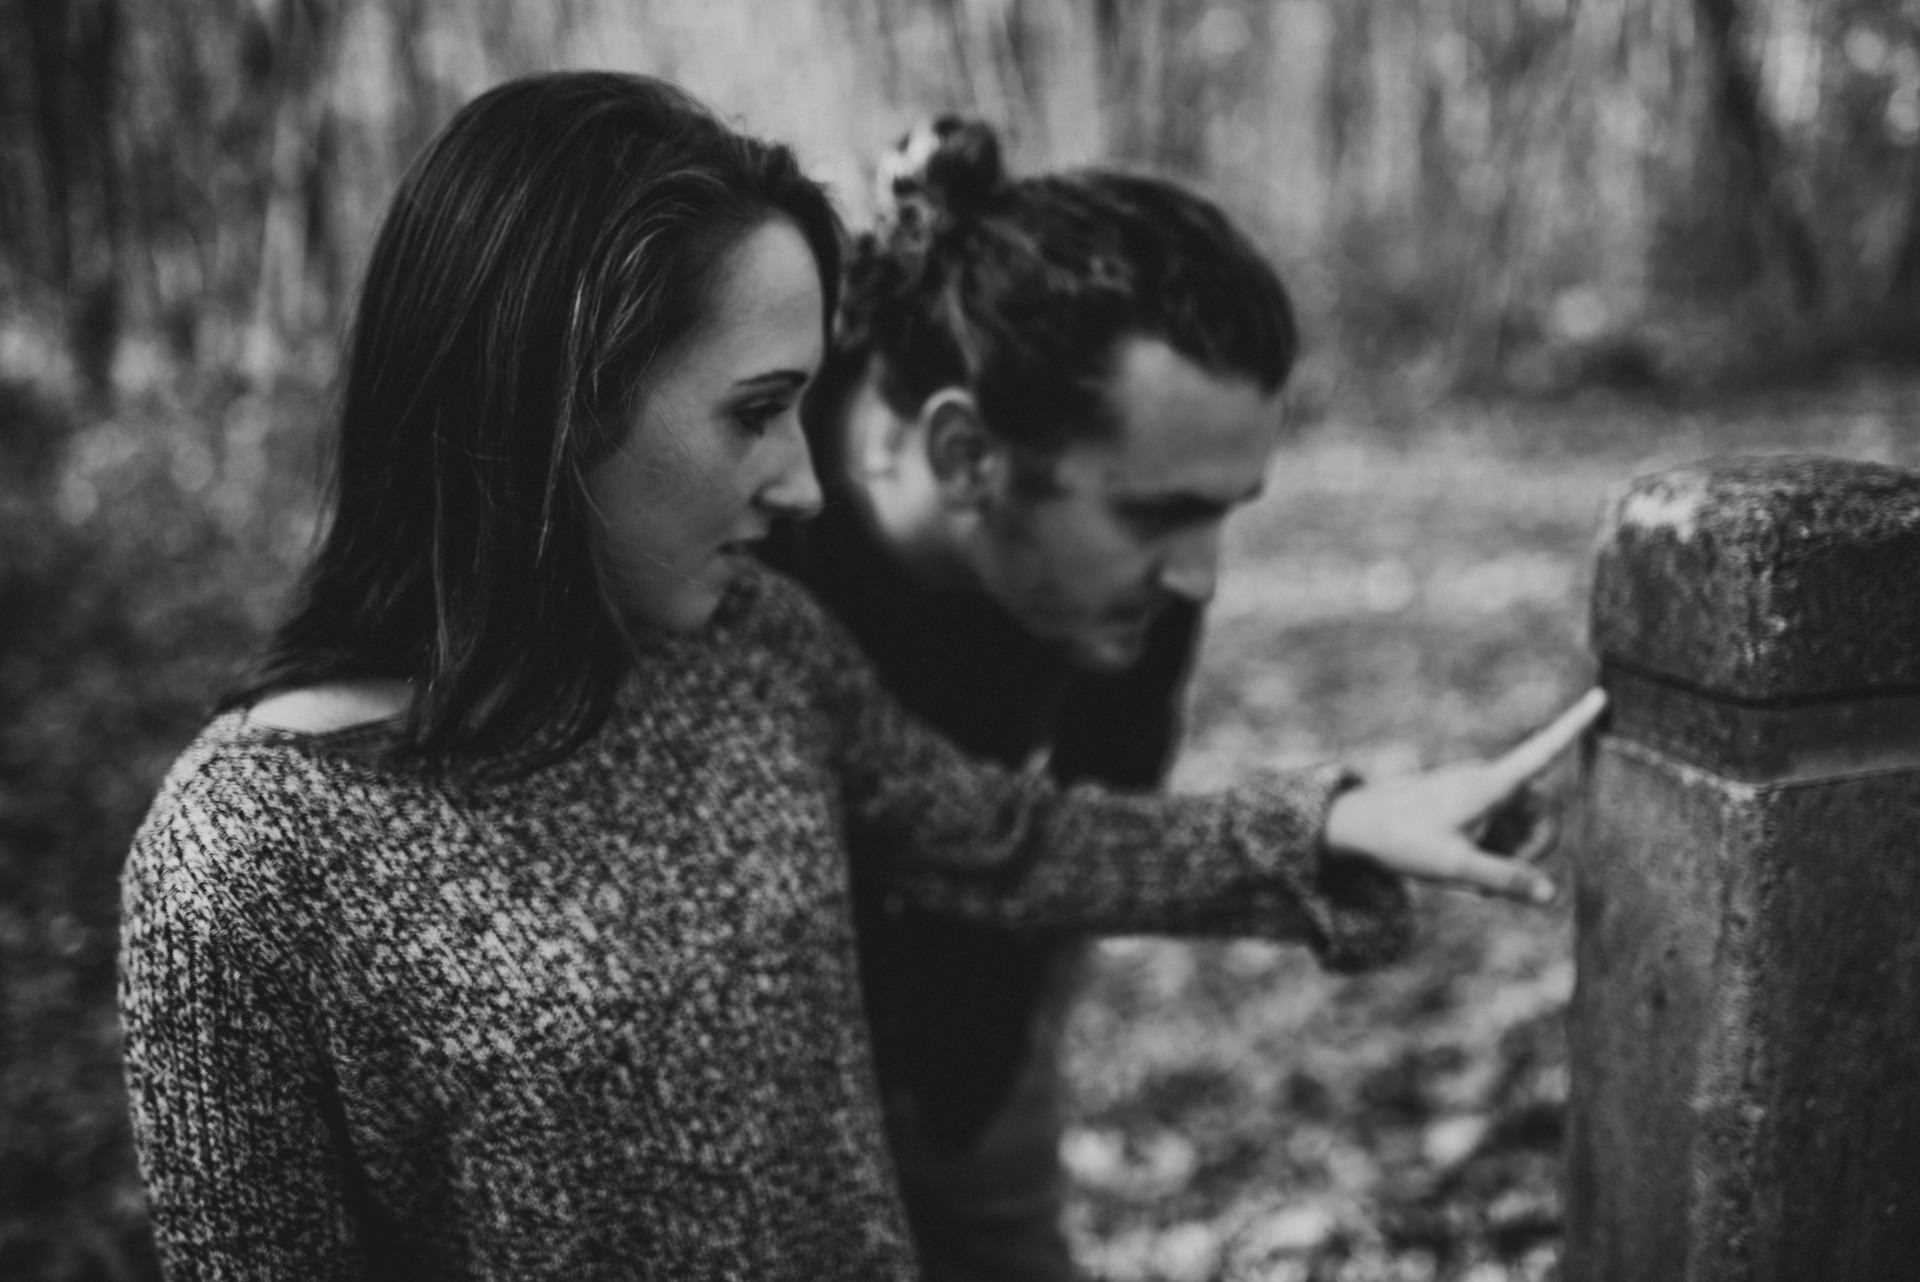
[(1161, 400), (1177, 428)]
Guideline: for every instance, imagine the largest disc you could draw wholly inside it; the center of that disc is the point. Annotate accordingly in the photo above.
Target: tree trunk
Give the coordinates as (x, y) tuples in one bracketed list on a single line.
[(303, 56), (1903, 282), (1751, 150), (75, 50)]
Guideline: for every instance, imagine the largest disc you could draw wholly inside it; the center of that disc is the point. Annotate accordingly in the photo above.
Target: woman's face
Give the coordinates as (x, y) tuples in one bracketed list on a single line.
[(713, 452)]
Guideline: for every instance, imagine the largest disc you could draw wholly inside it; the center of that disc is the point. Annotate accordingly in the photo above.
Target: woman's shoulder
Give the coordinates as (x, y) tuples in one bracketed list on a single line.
[(773, 607), (242, 806), (290, 743), (197, 849)]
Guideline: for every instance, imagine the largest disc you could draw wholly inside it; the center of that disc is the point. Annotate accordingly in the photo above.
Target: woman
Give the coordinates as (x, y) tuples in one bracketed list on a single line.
[(498, 926)]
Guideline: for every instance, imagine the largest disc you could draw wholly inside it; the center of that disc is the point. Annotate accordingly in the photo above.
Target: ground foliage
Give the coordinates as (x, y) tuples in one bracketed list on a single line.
[(1411, 589)]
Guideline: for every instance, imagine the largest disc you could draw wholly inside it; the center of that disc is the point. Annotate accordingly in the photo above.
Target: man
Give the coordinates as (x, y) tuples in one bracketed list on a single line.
[(1044, 399)]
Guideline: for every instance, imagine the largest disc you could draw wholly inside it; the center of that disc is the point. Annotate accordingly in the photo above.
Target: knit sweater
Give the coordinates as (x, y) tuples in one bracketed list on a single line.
[(603, 1020)]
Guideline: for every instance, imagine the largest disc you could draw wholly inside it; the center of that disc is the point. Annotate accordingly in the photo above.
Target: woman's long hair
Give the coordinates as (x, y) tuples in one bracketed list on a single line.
[(559, 234)]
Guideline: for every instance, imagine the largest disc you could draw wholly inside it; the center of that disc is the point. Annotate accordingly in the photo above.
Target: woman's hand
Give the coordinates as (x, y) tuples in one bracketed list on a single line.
[(1429, 826)]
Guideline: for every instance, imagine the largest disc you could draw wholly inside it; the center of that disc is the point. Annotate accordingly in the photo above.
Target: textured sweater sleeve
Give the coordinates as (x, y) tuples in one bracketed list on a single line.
[(242, 1164), (981, 842)]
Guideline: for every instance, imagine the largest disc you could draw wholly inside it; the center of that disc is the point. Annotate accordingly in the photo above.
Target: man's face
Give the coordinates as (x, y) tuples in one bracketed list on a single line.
[(1132, 523)]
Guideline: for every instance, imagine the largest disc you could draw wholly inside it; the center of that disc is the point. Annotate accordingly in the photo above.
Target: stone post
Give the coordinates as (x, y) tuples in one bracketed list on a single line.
[(1745, 1030)]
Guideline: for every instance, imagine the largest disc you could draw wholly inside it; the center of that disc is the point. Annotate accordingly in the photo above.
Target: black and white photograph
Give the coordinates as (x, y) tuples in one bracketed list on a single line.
[(960, 640)]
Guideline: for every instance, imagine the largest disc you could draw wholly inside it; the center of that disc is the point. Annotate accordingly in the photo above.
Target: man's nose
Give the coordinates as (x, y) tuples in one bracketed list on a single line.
[(1191, 569)]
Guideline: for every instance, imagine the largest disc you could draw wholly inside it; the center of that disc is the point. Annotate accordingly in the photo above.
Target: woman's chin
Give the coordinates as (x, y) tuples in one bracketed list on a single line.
[(693, 615), (685, 609)]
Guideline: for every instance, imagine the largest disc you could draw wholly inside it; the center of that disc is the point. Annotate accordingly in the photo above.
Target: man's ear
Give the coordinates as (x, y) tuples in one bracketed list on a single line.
[(969, 463)]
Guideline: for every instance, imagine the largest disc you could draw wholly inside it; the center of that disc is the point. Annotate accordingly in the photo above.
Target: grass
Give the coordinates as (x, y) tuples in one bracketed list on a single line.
[(1412, 589)]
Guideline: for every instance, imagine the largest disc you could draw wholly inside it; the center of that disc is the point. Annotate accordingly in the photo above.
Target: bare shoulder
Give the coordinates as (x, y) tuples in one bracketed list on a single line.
[(335, 706)]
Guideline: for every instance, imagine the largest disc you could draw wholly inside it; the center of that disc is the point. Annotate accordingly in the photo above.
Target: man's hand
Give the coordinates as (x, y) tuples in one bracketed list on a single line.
[(1428, 826)]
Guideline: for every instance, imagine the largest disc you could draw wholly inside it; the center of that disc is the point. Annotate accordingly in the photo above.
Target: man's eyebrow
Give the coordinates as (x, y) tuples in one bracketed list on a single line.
[(1183, 500)]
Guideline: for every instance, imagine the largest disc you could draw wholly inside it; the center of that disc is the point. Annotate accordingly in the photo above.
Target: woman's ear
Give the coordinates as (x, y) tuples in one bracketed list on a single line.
[(969, 463)]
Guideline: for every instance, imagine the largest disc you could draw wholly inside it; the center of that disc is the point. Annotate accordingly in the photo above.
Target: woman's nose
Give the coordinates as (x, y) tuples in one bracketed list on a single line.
[(794, 490)]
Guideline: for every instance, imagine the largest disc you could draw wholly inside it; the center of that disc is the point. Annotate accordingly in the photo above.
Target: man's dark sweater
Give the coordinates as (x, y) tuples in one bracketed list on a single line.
[(961, 1012)]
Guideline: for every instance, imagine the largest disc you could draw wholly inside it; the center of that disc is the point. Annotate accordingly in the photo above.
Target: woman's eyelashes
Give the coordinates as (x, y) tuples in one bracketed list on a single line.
[(756, 418)]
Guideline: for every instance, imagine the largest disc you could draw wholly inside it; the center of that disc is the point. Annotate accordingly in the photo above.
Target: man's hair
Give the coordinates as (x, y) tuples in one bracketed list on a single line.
[(559, 235), (1021, 290)]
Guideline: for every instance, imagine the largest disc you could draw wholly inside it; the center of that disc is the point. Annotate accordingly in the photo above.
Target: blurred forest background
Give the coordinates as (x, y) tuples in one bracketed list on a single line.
[(1539, 246)]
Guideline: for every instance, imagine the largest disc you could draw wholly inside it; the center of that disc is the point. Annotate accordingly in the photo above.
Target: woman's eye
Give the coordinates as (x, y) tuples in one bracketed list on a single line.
[(756, 418)]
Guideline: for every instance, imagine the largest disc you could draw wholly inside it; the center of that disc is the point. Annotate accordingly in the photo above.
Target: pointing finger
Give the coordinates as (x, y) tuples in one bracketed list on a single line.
[(1537, 752)]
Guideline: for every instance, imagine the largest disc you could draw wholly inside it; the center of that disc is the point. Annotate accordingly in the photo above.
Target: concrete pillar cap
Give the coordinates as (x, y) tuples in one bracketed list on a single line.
[(1764, 579)]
